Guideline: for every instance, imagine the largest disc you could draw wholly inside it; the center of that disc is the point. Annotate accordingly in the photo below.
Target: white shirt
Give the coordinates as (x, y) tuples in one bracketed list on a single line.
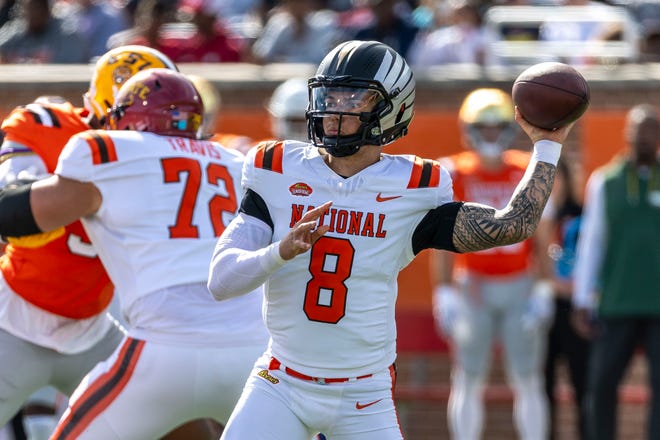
[(591, 244)]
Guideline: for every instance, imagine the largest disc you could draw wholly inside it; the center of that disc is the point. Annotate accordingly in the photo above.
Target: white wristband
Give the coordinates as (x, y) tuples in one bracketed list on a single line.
[(546, 151)]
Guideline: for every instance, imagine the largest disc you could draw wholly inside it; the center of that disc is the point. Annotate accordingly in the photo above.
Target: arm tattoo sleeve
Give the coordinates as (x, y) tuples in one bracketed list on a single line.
[(481, 227)]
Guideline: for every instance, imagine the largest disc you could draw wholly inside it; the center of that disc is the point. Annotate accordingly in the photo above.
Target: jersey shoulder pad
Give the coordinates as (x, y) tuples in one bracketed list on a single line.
[(44, 128), (425, 173), (465, 162), (100, 144), (268, 155), (517, 158)]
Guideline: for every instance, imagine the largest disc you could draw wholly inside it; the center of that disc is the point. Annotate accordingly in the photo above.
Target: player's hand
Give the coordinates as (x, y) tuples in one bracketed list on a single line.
[(537, 133), (304, 234), (583, 323)]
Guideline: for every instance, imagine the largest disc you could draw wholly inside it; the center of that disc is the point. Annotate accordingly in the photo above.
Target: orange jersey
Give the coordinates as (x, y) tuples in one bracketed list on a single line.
[(63, 276), (44, 128), (494, 188)]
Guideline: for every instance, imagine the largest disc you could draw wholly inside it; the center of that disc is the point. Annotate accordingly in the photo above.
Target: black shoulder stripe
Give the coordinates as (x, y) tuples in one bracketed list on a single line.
[(253, 205)]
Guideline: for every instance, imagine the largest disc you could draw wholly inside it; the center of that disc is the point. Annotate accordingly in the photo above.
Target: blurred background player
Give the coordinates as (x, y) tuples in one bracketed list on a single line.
[(485, 297), (616, 272), (287, 107), (182, 347), (563, 217)]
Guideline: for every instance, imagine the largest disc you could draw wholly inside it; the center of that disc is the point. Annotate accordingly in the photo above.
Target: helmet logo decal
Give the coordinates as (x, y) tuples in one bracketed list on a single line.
[(301, 189), (120, 74)]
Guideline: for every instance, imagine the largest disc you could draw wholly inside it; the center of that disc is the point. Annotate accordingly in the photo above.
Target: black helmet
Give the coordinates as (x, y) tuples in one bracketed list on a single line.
[(363, 72)]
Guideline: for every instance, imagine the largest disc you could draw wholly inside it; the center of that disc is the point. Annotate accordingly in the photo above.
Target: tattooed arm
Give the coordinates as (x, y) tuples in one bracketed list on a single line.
[(481, 227)]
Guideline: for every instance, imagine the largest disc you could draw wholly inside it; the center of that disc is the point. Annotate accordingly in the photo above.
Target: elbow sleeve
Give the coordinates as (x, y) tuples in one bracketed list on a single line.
[(16, 218)]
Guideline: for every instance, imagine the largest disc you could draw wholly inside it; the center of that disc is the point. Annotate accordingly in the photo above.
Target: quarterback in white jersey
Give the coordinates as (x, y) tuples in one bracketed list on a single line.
[(328, 226), (154, 202)]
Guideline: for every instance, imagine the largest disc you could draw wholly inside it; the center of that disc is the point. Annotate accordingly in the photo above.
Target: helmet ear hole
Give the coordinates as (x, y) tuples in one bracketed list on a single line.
[(399, 115)]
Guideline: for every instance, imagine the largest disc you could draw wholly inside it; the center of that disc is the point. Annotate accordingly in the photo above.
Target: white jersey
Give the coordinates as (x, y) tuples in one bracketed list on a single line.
[(164, 202), (331, 311)]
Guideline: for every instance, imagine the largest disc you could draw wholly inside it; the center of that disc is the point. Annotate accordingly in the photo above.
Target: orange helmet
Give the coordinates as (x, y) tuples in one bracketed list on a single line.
[(114, 68)]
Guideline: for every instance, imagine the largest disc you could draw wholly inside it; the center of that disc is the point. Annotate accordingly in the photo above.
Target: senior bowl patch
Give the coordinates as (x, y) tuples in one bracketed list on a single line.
[(301, 189), (266, 375)]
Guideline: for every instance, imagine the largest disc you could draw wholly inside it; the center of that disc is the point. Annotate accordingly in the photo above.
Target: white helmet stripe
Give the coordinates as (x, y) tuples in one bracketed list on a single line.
[(384, 69), (44, 116)]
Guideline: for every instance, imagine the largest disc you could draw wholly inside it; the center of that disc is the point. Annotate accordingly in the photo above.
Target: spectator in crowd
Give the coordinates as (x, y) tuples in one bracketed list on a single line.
[(573, 33), (488, 296), (94, 20), (462, 41), (287, 107), (298, 31), (329, 247), (148, 30), (5, 11), (209, 42), (563, 212), (388, 22), (177, 335), (40, 38), (616, 273)]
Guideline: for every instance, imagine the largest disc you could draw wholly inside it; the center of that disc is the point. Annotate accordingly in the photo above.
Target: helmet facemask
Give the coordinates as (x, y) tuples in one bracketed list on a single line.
[(337, 108), (487, 120), (493, 145)]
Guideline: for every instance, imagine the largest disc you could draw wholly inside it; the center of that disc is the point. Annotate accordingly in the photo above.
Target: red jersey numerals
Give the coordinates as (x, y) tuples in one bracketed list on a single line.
[(331, 263), (177, 169)]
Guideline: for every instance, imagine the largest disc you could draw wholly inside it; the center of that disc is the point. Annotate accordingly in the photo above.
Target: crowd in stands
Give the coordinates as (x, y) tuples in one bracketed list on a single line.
[(425, 32)]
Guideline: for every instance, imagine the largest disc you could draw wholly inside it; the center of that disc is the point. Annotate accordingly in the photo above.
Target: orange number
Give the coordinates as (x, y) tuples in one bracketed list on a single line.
[(173, 168), (331, 263)]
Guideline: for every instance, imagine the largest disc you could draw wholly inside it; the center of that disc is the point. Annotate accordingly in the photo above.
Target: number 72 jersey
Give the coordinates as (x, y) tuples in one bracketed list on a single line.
[(165, 202)]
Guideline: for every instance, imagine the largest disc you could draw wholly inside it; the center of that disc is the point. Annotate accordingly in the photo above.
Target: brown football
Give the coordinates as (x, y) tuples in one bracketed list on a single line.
[(551, 95)]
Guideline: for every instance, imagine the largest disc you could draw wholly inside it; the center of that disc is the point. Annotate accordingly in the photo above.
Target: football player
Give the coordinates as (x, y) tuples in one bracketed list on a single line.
[(328, 225), (54, 289), (492, 295), (287, 107), (154, 198)]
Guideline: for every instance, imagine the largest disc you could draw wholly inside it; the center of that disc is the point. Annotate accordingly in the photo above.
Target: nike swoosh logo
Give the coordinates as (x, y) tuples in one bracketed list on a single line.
[(358, 406), (380, 198)]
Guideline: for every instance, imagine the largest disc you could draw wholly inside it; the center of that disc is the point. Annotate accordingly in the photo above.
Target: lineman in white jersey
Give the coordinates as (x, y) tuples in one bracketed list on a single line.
[(154, 202), (328, 229)]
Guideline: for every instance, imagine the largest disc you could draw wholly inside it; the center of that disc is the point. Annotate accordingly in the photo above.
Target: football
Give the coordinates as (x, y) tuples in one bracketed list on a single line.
[(551, 95)]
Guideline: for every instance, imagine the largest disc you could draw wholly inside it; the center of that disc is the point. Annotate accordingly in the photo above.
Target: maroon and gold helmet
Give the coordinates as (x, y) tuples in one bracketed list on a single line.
[(160, 101)]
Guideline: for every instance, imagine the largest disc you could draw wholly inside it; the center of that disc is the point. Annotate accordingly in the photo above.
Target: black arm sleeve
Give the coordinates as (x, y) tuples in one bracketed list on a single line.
[(437, 229), (16, 219), (253, 205)]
